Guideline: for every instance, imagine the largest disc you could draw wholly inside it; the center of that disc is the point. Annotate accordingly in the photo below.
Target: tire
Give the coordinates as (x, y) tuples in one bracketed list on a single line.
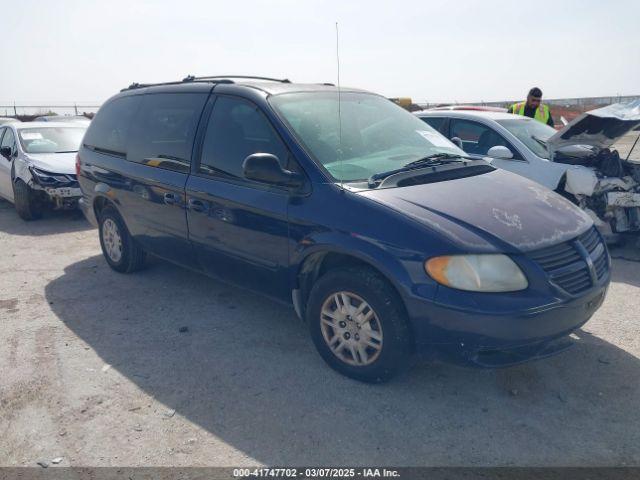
[(393, 350), (119, 248), (26, 202)]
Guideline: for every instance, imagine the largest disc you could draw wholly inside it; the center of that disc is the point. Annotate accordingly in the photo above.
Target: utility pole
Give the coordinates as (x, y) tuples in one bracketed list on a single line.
[(75, 106), (15, 112)]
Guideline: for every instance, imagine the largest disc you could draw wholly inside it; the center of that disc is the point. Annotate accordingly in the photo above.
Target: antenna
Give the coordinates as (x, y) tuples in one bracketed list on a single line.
[(339, 109)]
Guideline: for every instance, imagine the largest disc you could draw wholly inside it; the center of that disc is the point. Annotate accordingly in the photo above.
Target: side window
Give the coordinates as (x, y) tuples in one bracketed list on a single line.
[(236, 129), (9, 139), (2, 130), (437, 123), (163, 130), (477, 139), (109, 129)]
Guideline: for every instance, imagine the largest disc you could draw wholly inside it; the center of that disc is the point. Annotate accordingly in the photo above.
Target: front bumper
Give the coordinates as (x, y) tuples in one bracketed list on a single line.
[(506, 357), (65, 198), (501, 338)]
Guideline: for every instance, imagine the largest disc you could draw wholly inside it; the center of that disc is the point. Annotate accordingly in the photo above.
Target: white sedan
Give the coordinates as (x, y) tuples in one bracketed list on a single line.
[(575, 161), (37, 166)]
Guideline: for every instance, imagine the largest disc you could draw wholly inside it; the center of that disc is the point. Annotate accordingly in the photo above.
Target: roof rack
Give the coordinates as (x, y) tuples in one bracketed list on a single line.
[(135, 85), (211, 78), (244, 77)]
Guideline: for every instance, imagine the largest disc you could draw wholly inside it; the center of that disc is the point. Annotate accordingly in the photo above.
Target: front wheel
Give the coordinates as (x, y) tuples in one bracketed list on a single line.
[(26, 202), (119, 248), (358, 324)]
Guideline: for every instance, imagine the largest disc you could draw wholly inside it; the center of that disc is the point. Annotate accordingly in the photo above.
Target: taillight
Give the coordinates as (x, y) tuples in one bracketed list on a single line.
[(78, 165)]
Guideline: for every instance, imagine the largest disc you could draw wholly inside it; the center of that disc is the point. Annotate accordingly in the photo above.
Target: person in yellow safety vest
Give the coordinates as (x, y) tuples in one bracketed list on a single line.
[(533, 107)]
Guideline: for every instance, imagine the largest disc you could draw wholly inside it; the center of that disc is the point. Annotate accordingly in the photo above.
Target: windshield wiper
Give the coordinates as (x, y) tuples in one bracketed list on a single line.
[(441, 157), (430, 160), (67, 151)]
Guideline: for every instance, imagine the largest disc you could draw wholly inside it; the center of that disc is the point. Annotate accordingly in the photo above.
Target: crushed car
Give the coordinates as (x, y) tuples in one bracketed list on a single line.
[(578, 161), (605, 185), (37, 166)]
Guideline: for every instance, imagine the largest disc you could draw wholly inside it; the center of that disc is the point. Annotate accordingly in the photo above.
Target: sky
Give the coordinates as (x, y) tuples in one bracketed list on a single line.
[(429, 50)]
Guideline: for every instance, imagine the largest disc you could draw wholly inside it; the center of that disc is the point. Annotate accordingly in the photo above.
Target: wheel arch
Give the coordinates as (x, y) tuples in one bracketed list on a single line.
[(102, 201), (317, 263)]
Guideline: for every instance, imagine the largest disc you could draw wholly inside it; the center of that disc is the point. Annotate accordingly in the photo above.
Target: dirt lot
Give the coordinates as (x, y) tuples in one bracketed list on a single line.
[(95, 370)]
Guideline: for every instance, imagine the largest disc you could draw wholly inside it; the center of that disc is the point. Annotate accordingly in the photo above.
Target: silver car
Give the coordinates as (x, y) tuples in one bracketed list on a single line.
[(579, 161), (37, 166)]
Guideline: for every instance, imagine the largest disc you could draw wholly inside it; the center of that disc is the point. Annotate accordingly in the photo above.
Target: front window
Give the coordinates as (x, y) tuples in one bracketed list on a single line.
[(532, 133), (371, 134), (236, 130), (51, 139), (477, 139)]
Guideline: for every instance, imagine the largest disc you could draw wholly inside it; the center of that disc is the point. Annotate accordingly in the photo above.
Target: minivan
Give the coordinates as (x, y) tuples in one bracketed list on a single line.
[(386, 239)]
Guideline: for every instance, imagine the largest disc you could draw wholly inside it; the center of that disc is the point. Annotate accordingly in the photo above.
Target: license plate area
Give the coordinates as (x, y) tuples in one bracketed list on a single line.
[(64, 192)]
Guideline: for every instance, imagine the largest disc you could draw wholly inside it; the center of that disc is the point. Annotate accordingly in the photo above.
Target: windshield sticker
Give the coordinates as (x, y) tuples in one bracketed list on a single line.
[(434, 138), (31, 135)]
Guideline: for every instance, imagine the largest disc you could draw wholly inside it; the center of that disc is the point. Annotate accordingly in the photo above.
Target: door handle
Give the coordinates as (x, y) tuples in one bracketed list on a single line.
[(197, 205), (171, 198)]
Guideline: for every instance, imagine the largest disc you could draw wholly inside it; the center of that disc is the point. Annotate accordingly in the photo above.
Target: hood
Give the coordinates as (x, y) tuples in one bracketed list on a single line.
[(54, 162), (598, 128), (499, 209)]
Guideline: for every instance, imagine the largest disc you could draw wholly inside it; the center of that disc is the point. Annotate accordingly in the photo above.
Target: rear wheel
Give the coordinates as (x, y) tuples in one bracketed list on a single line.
[(27, 203), (119, 248), (358, 324)]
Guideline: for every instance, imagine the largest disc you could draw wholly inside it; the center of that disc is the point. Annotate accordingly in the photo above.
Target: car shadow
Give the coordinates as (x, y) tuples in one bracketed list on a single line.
[(52, 222), (246, 371)]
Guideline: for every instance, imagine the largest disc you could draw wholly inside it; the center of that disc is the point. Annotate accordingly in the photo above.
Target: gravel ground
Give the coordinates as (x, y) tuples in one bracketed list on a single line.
[(94, 369)]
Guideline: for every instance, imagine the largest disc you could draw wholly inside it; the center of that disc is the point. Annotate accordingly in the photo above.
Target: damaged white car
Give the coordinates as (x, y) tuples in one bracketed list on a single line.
[(576, 162), (37, 166)]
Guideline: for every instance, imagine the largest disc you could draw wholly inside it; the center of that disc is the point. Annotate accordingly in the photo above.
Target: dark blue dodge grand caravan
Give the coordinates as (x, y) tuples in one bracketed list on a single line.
[(386, 239)]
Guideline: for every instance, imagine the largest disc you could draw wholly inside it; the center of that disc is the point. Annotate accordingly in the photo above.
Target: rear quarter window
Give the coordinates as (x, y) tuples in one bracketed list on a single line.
[(109, 130)]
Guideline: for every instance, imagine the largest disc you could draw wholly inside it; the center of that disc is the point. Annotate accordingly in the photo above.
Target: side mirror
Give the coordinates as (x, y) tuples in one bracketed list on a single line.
[(6, 152), (458, 142), (500, 152), (266, 168)]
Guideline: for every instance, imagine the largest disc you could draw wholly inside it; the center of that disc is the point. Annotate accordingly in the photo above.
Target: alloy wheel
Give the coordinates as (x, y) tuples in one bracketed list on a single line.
[(112, 240), (351, 329)]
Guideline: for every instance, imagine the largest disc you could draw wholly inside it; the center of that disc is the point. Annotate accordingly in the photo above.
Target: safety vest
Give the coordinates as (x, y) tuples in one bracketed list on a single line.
[(542, 112)]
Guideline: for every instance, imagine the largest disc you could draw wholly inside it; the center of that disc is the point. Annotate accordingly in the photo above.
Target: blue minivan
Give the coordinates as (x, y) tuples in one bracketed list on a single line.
[(386, 239)]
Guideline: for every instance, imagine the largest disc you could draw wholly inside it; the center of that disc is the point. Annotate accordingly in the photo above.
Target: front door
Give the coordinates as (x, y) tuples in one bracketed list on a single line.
[(7, 139), (477, 138), (239, 227)]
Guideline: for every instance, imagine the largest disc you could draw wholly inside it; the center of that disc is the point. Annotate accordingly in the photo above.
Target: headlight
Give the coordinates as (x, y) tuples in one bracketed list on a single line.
[(49, 179), (477, 273)]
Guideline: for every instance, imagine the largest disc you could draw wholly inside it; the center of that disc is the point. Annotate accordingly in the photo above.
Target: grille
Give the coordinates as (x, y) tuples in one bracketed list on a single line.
[(575, 266)]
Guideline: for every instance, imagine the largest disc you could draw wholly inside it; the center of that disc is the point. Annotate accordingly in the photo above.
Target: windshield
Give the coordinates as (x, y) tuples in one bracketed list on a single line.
[(375, 135), (532, 133), (51, 139)]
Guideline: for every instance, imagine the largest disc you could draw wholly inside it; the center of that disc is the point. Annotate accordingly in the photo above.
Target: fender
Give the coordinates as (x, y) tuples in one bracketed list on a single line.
[(552, 176), (544, 172), (404, 271), (102, 190), (20, 170)]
